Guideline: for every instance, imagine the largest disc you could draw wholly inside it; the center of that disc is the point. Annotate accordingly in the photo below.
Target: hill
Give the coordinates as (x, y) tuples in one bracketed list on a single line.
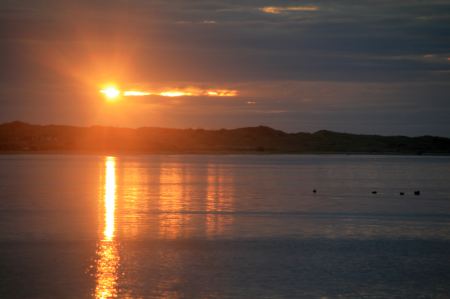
[(19, 136)]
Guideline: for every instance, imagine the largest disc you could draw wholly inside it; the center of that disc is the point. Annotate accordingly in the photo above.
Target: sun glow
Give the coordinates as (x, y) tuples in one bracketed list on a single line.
[(111, 92)]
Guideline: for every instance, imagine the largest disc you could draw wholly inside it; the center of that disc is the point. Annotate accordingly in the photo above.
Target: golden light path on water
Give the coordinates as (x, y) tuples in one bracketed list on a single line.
[(174, 194), (107, 253)]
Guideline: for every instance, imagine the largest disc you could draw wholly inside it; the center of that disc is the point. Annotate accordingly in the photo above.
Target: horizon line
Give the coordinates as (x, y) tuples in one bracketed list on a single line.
[(226, 129)]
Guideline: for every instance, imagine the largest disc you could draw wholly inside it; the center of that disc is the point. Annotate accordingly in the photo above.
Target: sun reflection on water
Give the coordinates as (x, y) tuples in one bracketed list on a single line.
[(107, 253), (218, 199), (171, 201), (110, 198)]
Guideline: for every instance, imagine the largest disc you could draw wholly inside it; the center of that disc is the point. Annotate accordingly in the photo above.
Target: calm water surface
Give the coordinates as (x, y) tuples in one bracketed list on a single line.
[(224, 226)]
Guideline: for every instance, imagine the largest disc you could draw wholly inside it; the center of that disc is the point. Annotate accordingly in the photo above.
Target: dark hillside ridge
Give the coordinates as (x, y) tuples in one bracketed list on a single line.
[(19, 136)]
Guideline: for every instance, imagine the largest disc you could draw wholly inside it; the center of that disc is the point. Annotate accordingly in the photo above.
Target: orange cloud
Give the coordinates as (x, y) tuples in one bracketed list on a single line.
[(281, 9), (196, 92), (179, 92), (136, 93)]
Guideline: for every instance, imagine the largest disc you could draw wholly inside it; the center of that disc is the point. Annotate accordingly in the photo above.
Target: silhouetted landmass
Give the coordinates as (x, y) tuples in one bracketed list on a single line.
[(19, 136)]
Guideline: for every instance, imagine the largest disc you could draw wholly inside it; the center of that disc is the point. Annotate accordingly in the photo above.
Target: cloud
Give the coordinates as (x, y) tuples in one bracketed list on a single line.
[(190, 91), (282, 9)]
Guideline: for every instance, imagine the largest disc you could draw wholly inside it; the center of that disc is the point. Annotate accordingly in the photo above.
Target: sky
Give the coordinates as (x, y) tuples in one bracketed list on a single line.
[(360, 66)]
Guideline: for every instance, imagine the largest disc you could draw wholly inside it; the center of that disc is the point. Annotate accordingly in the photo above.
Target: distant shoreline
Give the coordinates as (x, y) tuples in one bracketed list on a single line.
[(216, 153), (23, 138)]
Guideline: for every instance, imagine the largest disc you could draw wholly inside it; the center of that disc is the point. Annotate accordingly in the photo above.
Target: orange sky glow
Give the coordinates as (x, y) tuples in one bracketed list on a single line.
[(295, 66)]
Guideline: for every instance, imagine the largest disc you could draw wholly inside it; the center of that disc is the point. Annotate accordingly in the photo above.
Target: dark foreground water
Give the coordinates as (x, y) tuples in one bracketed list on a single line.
[(224, 227)]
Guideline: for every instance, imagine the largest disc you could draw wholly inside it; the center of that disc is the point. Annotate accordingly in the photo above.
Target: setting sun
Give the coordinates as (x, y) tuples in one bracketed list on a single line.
[(111, 92)]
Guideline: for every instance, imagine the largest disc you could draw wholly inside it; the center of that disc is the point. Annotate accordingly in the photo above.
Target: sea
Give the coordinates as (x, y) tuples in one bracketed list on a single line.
[(224, 226)]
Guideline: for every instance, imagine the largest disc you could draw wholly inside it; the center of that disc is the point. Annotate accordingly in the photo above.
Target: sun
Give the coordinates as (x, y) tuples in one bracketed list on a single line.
[(111, 93)]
